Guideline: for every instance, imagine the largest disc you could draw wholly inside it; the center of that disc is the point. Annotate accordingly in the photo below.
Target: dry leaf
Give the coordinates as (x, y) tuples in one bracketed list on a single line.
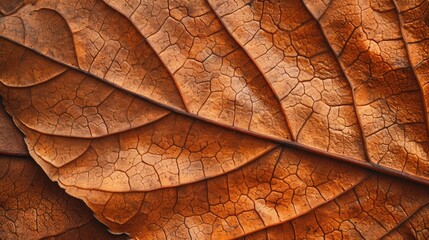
[(220, 119), (11, 140), (33, 207)]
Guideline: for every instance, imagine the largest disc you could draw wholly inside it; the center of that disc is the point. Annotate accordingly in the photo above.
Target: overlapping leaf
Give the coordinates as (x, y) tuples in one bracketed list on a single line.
[(178, 119), (33, 207)]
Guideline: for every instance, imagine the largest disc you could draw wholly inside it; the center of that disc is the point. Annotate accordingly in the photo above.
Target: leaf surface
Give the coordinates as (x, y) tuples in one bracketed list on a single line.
[(225, 119), (33, 207)]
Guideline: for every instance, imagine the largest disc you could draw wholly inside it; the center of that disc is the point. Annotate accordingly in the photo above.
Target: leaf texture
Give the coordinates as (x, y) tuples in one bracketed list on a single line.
[(372, 51), (223, 119), (11, 140), (33, 207), (375, 209)]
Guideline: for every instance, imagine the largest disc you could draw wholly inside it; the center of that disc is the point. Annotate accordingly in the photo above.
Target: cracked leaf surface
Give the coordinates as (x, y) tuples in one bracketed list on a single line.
[(222, 119), (34, 207)]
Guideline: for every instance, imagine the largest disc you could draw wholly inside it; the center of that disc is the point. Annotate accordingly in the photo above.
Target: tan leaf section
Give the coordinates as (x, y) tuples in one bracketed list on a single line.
[(93, 42), (218, 80), (60, 116), (414, 227), (374, 209), (396, 125), (33, 207), (414, 23), (288, 47), (277, 187), (367, 38), (229, 90), (222, 119), (176, 150)]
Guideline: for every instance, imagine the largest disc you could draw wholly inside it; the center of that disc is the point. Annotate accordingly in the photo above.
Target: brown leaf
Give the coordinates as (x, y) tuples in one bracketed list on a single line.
[(220, 119), (11, 140), (279, 186), (388, 95), (33, 207), (376, 208)]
